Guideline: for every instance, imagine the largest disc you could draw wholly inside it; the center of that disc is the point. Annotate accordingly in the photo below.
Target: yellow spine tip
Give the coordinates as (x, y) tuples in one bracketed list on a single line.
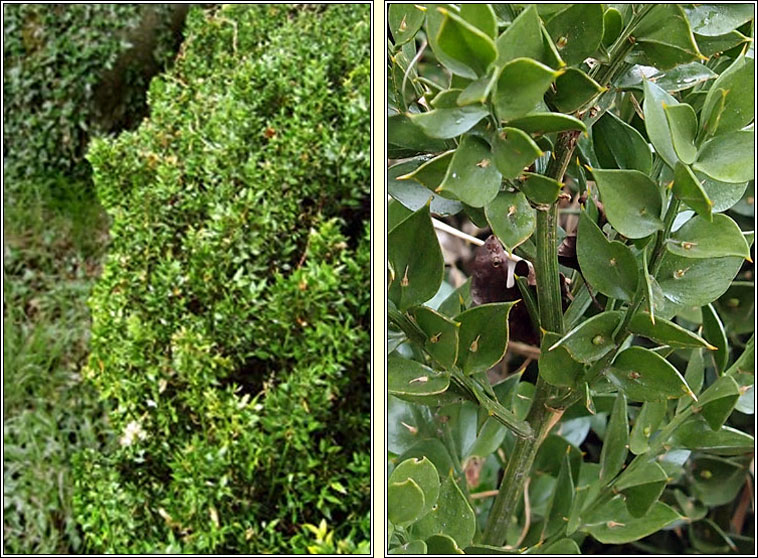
[(711, 347)]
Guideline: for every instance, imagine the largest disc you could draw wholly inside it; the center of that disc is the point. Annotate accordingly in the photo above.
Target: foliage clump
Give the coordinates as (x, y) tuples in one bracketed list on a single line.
[(56, 57), (230, 325)]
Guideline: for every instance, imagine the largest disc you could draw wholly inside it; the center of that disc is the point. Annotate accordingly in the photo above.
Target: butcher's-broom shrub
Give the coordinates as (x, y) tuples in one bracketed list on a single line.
[(230, 325)]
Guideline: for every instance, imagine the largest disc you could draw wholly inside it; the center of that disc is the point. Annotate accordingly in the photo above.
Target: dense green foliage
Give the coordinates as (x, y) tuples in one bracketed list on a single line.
[(55, 57), (230, 324), (53, 241), (613, 162)]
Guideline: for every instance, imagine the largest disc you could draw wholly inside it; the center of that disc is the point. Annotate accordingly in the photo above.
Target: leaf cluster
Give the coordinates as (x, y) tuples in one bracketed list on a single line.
[(612, 118), (230, 324)]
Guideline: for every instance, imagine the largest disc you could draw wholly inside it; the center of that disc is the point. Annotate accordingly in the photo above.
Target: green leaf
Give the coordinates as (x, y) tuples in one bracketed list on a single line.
[(723, 194), (728, 157), (613, 524), (540, 189), (716, 481), (696, 434), (483, 336), (406, 502), (434, 450), (645, 425), (716, 19), (513, 150), (574, 89), (512, 219), (446, 99), (690, 282), (481, 16), (663, 38), (523, 37), (698, 238), (431, 172), (683, 126), (619, 146), (442, 545), (406, 139), (592, 339), (665, 332), (577, 31), (615, 444), (737, 307), (489, 439), (520, 87), (713, 331), (717, 402), (683, 77), (464, 43), (547, 122), (452, 516), (408, 377), (434, 19), (559, 506), (471, 176), (477, 91), (413, 547), (719, 43), (642, 485), (441, 335), (415, 257), (613, 23), (413, 195), (407, 424), (424, 475), (646, 376), (559, 547), (609, 267), (404, 21), (688, 189), (448, 122), (656, 123), (557, 367), (550, 55), (631, 200), (737, 85)]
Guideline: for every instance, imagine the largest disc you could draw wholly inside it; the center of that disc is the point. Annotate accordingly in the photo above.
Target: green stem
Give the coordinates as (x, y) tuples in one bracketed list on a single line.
[(542, 417)]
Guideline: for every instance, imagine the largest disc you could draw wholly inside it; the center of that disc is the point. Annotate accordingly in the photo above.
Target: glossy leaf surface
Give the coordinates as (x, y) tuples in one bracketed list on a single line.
[(728, 157), (619, 146), (557, 367), (415, 257), (512, 218), (609, 267), (646, 376), (699, 238), (513, 150), (631, 200), (471, 177), (688, 189), (520, 87), (483, 336), (591, 339)]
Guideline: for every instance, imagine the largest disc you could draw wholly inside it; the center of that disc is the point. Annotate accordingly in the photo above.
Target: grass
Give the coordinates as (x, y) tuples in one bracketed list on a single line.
[(54, 239)]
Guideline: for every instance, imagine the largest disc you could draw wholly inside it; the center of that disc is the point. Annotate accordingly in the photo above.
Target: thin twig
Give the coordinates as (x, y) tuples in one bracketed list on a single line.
[(524, 349), (444, 227)]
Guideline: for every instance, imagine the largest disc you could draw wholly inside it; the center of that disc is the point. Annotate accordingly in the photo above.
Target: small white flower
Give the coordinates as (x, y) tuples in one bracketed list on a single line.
[(132, 432)]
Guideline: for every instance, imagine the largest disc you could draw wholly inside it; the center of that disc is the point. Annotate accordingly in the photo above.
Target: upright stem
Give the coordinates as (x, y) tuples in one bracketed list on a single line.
[(542, 417)]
